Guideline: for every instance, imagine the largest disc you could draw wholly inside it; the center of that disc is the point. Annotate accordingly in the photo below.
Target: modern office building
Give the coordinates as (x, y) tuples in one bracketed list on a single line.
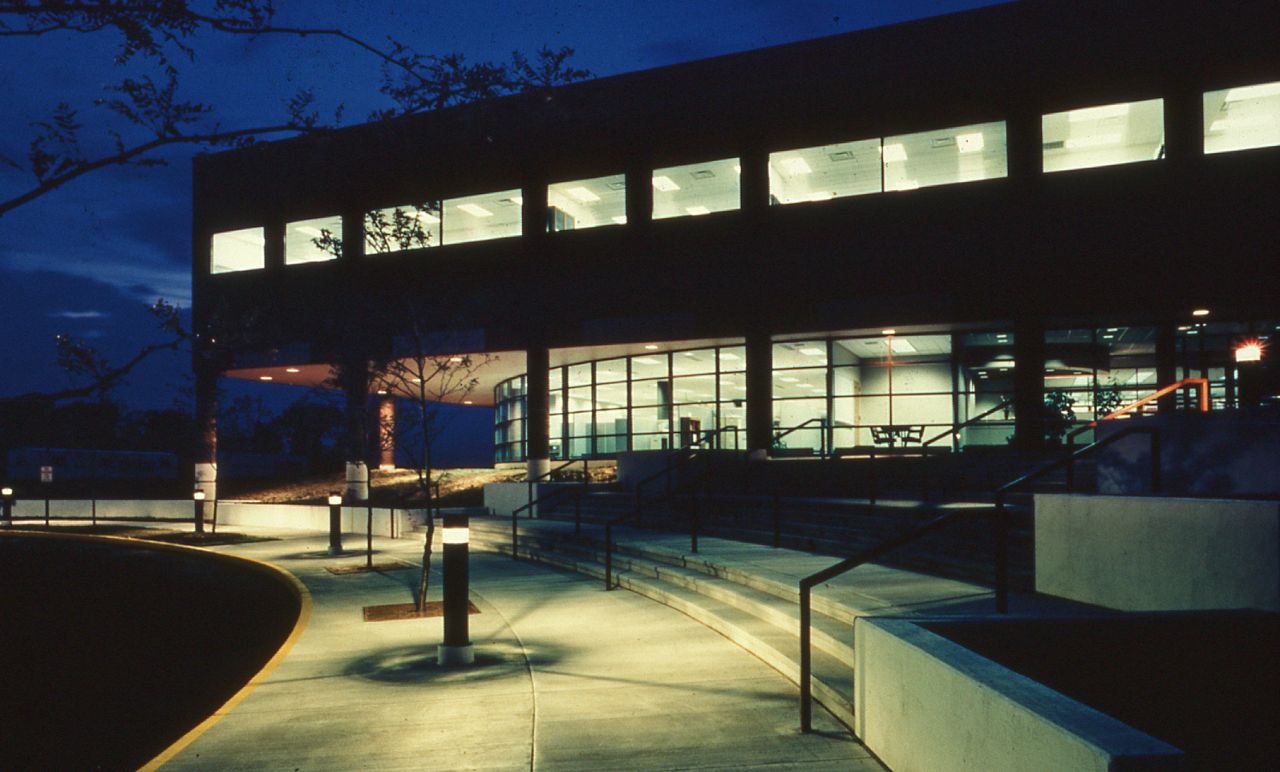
[(869, 239)]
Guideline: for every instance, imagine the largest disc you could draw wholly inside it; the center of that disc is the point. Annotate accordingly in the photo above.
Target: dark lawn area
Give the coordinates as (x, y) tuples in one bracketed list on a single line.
[(110, 652), (1208, 683)]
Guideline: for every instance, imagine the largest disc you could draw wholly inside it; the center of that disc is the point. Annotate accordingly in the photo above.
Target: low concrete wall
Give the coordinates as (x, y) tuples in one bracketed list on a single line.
[(1159, 554), (922, 702), (386, 522), (106, 508), (501, 498)]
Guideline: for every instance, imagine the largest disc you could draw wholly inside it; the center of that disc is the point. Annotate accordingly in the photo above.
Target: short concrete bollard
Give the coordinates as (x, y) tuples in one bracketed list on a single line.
[(335, 523)]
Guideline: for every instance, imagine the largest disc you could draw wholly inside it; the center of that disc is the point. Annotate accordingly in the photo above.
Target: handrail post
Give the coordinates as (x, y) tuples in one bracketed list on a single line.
[(514, 543), (1002, 555), (577, 514), (693, 522), (874, 478), (1155, 460), (777, 521), (806, 708), (608, 556)]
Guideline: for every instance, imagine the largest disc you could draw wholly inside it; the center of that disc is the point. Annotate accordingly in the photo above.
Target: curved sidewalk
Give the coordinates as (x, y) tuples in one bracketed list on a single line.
[(567, 677)]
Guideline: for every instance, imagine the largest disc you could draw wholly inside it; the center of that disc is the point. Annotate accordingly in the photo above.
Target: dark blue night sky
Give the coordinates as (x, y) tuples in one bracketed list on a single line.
[(84, 259)]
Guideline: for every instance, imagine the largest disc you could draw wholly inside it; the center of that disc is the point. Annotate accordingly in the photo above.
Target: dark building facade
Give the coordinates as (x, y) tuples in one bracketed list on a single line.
[(872, 238)]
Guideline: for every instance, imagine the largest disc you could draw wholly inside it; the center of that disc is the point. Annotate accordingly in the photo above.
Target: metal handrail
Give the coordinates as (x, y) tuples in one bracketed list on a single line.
[(1201, 384), (674, 461), (957, 427), (576, 491), (822, 444), (1001, 523)]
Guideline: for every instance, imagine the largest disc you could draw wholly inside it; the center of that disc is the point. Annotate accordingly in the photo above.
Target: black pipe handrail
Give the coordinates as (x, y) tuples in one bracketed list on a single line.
[(544, 498), (1001, 524), (673, 461), (957, 427), (822, 444)]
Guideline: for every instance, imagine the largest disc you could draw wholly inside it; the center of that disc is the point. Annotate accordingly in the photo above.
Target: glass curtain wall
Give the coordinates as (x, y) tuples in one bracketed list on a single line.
[(649, 401), (1090, 373), (891, 391)]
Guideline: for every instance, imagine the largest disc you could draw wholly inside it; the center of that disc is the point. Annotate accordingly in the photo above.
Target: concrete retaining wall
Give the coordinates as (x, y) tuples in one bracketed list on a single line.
[(922, 702), (501, 498), (1159, 554)]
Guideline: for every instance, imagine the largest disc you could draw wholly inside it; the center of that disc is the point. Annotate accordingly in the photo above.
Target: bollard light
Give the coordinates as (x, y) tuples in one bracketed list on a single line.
[(7, 493), (457, 648), (197, 515), (335, 523)]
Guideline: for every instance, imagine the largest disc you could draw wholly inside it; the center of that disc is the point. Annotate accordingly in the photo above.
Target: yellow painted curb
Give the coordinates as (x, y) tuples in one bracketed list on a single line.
[(304, 616)]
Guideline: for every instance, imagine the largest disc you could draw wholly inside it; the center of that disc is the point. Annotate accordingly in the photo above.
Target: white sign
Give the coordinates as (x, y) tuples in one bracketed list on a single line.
[(46, 474)]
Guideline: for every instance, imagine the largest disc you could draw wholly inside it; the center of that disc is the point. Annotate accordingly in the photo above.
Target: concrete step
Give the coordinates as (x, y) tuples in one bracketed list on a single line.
[(752, 622)]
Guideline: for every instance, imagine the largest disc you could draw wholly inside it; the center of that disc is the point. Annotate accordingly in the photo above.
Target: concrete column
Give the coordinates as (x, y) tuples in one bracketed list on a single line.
[(206, 451), (759, 394), (1166, 365), (387, 433), (355, 383), (537, 410), (353, 234), (1028, 385)]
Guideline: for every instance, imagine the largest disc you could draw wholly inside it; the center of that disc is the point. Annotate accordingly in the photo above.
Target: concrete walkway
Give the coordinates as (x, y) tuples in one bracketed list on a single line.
[(567, 677)]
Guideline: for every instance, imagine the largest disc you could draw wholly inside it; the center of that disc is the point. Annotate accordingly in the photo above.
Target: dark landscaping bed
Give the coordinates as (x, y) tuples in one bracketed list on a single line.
[(1207, 683), (111, 652)]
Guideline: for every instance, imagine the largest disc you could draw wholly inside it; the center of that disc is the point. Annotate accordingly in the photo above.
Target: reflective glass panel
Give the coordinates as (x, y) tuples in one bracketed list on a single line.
[(1126, 132), (239, 250), (312, 241), (826, 172), (696, 189), (482, 217), (580, 204), (1242, 118), (402, 227), (945, 156)]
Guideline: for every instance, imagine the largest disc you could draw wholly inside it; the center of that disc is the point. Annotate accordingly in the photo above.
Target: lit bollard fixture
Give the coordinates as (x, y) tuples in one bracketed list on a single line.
[(7, 493), (457, 648), (197, 498), (335, 523)]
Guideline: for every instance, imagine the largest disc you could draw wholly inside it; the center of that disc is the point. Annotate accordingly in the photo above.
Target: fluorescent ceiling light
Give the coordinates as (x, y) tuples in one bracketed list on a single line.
[(795, 165), (889, 332), (1099, 113), (970, 143), (620, 219), (697, 210), (307, 229), (1095, 140), (580, 193), (1254, 92), (265, 378), (902, 346), (728, 355), (646, 361), (425, 216), (1200, 312), (247, 238), (893, 153), (789, 379), (665, 184), (651, 346), (475, 210), (811, 351), (292, 370)]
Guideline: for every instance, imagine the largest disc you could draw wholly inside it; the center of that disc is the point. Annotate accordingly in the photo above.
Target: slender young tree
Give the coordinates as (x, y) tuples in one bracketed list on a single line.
[(423, 382)]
